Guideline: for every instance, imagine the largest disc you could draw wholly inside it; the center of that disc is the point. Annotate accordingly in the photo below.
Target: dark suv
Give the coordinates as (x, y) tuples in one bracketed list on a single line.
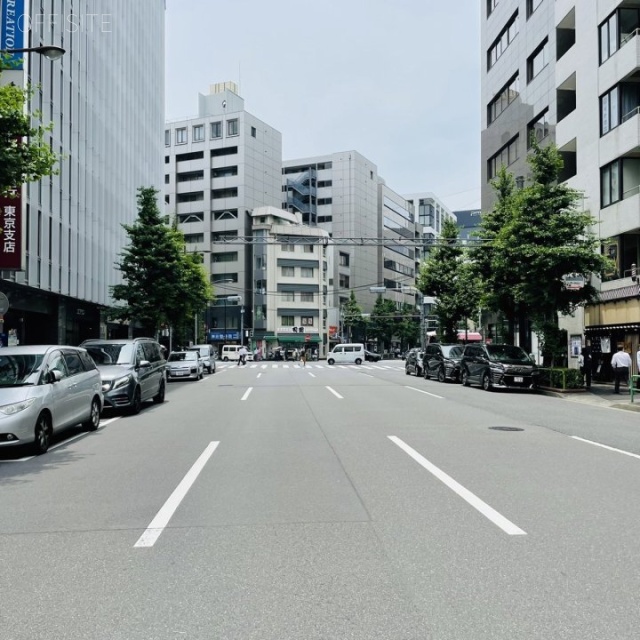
[(413, 362), (442, 361), (498, 366), (132, 371)]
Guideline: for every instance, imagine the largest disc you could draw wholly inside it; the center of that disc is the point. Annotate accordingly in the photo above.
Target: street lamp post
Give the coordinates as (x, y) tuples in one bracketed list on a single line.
[(48, 51)]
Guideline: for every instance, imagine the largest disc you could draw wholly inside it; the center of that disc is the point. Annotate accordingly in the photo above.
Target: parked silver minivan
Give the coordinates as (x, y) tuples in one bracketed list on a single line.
[(44, 389), (207, 355)]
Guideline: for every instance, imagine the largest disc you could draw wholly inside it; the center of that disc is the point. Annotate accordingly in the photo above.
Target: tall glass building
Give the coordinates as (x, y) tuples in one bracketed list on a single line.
[(105, 99)]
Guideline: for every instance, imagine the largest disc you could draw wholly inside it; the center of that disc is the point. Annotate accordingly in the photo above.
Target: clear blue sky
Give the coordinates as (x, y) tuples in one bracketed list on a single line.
[(398, 81)]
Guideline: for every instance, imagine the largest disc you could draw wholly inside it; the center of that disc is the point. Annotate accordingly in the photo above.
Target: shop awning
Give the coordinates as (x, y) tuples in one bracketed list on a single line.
[(299, 338)]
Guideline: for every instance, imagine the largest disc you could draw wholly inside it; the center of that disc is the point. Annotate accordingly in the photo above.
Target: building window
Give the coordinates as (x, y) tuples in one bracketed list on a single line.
[(216, 130), (198, 133), (253, 132), (501, 43), (217, 278), (307, 296), (532, 5), (187, 157), (324, 183), (184, 218), (189, 176), (224, 172), (344, 281), (491, 5), (288, 296), (306, 321), (221, 236), (166, 159), (193, 238), (538, 129), (504, 98), (619, 180), (227, 256), (325, 200), (325, 219), (167, 137), (226, 214), (506, 156), (224, 151), (308, 248), (191, 196), (231, 192), (344, 259), (287, 321), (181, 135), (166, 178), (306, 272), (609, 111), (288, 272), (232, 127), (538, 60), (288, 247)]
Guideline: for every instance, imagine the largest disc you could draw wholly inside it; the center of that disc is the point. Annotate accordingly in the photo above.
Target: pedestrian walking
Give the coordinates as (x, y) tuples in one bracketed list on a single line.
[(256, 354), (585, 364), (620, 363), (303, 358), (242, 355)]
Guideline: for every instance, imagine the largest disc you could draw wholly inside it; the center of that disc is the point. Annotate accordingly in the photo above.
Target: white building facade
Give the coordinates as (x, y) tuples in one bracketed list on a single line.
[(104, 98)]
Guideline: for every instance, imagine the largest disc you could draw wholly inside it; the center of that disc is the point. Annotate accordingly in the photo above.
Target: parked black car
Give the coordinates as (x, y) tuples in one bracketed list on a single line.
[(371, 356), (413, 362), (442, 361), (498, 366)]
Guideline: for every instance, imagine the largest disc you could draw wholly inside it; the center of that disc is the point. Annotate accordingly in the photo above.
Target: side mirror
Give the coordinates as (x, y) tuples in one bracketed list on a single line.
[(144, 363), (54, 376)]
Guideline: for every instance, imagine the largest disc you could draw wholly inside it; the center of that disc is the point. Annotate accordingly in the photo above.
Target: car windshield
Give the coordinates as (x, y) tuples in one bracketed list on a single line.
[(183, 355), (452, 351), (507, 353), (16, 370), (110, 353)]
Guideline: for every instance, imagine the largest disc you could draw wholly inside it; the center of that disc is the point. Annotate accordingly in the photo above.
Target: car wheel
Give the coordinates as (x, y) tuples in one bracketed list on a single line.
[(465, 378), (331, 361), (441, 376), (225, 359), (93, 422), (427, 375), (486, 382), (358, 361), (406, 371), (136, 403), (159, 397), (42, 433)]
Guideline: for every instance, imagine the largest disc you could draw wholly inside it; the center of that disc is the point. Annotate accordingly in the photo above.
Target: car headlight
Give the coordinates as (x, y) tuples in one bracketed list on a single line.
[(16, 407), (121, 382)]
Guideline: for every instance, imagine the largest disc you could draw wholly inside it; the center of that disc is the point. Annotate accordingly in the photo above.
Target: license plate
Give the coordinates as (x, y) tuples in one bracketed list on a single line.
[(181, 373), (518, 379)]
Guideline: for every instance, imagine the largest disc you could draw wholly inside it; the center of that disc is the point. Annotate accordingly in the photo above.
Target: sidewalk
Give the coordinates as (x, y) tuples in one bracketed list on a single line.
[(601, 395)]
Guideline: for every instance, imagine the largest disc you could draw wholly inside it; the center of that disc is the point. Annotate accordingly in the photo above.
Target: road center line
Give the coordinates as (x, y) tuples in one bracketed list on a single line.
[(258, 375), (488, 512), (158, 524), (335, 393), (433, 395), (246, 393), (604, 446)]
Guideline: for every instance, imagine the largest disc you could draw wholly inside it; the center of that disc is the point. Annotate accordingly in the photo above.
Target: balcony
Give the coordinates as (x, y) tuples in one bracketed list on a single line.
[(622, 216), (622, 64), (623, 140)]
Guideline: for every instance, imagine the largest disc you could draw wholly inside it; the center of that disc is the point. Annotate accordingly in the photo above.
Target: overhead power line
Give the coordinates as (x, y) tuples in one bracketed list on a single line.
[(351, 241)]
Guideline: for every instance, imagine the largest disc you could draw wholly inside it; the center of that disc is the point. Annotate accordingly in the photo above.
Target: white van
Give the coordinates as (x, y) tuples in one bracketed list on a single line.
[(346, 354), (207, 355), (230, 352)]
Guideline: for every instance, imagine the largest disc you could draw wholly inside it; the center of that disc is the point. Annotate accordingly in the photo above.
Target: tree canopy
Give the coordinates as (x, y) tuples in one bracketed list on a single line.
[(162, 284)]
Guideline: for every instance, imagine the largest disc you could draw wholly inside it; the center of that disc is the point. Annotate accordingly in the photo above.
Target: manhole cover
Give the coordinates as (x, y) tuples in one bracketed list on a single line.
[(506, 428)]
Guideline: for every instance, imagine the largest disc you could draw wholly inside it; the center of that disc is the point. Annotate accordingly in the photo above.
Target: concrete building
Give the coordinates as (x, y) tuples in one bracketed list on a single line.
[(289, 282), (219, 166), (104, 98)]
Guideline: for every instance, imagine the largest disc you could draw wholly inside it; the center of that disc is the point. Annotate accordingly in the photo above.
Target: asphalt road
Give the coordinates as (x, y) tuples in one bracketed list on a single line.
[(275, 502)]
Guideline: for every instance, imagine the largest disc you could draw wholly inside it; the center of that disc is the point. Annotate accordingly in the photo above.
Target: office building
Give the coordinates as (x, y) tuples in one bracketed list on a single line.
[(104, 98), (219, 166)]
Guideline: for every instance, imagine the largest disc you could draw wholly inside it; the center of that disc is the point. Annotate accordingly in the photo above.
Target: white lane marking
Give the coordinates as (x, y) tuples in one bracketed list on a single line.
[(335, 393), (488, 512), (67, 441), (274, 366), (377, 367), (604, 446), (158, 524), (433, 395), (368, 375), (264, 366), (286, 366), (104, 423), (319, 366), (253, 366), (246, 393), (258, 375), (312, 374)]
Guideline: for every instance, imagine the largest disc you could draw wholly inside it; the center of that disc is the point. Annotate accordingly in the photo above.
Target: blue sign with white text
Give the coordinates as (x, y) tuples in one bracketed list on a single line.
[(12, 30), (223, 336)]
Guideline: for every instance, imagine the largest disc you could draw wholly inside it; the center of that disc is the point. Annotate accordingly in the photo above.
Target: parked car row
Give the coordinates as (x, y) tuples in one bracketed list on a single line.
[(44, 389), (492, 366)]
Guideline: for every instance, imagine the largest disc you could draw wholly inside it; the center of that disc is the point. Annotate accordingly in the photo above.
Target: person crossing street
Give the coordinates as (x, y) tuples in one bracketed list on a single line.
[(242, 355)]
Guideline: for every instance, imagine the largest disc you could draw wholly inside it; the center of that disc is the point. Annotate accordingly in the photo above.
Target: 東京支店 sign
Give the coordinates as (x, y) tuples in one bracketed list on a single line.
[(11, 254)]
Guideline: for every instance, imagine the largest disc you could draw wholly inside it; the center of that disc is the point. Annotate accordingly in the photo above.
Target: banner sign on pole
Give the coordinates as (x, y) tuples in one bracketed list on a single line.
[(12, 29)]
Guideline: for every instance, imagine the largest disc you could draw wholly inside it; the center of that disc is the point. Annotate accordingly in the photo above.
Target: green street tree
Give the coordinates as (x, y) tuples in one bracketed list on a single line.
[(382, 323), (447, 276), (407, 329), (162, 283), (352, 315), (536, 236), (25, 153)]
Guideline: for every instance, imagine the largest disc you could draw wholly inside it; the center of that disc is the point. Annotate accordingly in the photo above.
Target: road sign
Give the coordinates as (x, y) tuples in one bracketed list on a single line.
[(4, 304)]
